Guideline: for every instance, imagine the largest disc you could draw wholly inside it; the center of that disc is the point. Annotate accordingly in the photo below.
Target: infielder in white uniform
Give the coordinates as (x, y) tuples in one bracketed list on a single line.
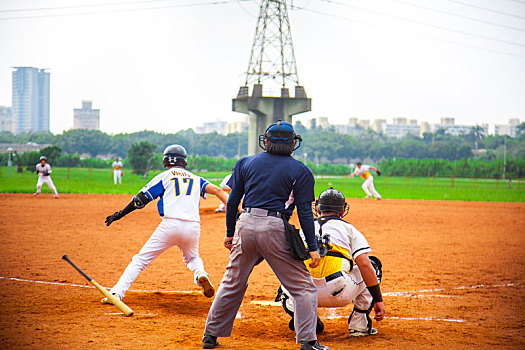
[(338, 282), (368, 185), (43, 170), (179, 191), (224, 186), (117, 171)]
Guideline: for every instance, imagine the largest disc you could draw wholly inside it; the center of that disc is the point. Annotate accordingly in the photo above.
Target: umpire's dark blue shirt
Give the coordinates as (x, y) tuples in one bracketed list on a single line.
[(266, 181)]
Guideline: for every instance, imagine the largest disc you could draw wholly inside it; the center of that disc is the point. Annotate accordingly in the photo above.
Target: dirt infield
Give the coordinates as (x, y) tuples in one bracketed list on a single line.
[(454, 277)]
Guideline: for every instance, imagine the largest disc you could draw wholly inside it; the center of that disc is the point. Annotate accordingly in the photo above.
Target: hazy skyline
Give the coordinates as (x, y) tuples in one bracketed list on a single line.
[(168, 65)]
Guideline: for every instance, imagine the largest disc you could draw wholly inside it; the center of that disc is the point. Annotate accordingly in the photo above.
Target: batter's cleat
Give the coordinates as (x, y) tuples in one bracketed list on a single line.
[(107, 301), (313, 345), (219, 210), (367, 197), (207, 287), (356, 333), (209, 341), (36, 194), (378, 199)]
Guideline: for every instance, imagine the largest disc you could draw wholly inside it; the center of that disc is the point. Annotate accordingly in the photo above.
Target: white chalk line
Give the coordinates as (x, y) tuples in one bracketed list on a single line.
[(84, 286), (414, 293), (409, 294), (331, 317)]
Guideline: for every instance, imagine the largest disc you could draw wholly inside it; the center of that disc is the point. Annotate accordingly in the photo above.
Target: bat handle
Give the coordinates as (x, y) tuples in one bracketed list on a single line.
[(66, 258)]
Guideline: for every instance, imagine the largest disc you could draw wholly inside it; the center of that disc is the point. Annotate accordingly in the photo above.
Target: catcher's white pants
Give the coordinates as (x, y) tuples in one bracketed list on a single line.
[(341, 292), (368, 187), (170, 232), (117, 176), (46, 180)]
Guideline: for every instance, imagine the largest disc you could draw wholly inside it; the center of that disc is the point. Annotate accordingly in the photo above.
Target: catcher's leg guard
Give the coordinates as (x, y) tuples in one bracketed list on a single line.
[(287, 303), (369, 329)]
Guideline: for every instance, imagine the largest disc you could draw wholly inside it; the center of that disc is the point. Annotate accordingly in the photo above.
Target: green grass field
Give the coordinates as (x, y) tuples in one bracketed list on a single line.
[(83, 180)]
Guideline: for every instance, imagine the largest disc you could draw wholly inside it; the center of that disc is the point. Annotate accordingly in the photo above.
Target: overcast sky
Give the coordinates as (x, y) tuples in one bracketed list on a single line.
[(178, 66)]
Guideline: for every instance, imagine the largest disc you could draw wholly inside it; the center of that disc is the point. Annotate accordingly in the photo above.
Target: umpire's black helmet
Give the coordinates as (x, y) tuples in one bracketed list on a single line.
[(331, 200), (280, 133), (175, 155)]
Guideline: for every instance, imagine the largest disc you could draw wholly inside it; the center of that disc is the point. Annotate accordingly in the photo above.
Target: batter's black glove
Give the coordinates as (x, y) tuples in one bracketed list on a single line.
[(113, 217), (378, 172), (45, 173)]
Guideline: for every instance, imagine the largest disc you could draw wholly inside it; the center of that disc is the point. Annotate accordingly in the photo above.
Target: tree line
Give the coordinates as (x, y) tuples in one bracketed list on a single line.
[(324, 150)]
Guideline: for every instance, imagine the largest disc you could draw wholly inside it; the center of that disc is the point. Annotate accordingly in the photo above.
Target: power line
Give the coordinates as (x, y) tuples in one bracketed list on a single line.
[(416, 34), (486, 9), (460, 16), (428, 24), (222, 2)]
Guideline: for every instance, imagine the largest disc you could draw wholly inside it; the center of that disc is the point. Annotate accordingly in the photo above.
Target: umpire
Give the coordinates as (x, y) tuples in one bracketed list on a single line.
[(272, 184)]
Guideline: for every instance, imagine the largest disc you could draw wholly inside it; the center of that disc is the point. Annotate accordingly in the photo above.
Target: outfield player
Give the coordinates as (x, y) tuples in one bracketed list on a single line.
[(179, 191), (368, 185), (117, 171), (224, 186), (43, 170), (266, 181), (339, 282)]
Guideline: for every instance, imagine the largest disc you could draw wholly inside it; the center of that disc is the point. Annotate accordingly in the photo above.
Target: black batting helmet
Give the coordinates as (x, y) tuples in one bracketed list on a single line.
[(332, 200), (174, 155)]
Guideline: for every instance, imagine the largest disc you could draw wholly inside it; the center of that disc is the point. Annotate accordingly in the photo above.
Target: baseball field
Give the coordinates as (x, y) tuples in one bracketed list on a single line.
[(454, 277)]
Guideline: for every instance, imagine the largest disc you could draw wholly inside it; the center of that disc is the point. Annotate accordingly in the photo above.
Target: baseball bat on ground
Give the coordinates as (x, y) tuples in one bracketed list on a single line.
[(114, 300)]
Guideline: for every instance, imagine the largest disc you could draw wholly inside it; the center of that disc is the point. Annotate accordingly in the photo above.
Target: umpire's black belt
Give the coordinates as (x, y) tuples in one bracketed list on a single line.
[(264, 212), (333, 276)]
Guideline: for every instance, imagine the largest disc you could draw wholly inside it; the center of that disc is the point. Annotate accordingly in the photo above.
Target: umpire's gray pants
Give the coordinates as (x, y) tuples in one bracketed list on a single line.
[(260, 238)]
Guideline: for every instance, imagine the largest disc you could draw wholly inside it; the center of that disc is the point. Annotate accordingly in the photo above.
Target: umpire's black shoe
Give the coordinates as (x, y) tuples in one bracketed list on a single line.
[(209, 341), (305, 345)]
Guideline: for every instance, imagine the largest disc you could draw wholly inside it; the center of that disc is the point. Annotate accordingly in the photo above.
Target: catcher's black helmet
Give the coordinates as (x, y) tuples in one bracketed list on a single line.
[(175, 155), (332, 200), (280, 132)]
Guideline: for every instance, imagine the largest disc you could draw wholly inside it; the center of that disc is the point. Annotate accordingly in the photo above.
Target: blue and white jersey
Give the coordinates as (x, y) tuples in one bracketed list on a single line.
[(179, 191)]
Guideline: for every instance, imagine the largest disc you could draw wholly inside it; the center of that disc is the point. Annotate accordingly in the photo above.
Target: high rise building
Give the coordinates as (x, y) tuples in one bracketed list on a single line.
[(509, 129), (6, 119), (30, 99), (86, 117)]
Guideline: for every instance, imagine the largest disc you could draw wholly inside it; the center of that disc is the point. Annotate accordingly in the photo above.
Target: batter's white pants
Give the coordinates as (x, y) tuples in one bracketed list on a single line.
[(117, 176), (170, 232), (47, 180), (350, 288), (368, 187)]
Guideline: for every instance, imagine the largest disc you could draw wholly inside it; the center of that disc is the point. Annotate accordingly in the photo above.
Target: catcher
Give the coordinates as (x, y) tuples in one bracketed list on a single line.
[(338, 281)]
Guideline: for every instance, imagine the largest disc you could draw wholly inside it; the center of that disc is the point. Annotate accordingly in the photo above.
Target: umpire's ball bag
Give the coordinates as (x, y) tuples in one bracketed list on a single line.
[(297, 247)]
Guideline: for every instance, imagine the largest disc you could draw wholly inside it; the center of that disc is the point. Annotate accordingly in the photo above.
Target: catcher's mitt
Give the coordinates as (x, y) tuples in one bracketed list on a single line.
[(378, 172)]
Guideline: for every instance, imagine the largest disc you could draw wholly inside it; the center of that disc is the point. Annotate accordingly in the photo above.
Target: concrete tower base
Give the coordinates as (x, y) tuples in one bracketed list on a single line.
[(264, 111)]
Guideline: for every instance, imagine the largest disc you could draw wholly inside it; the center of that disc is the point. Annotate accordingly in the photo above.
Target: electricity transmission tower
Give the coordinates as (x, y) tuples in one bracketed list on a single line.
[(272, 56), (272, 60)]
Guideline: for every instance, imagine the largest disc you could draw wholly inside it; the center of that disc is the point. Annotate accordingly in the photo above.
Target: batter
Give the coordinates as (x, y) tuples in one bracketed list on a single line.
[(179, 191)]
